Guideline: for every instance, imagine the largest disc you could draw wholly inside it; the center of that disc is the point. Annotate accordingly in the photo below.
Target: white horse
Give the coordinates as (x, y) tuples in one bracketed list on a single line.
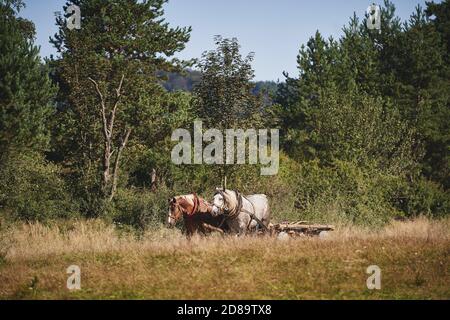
[(243, 213)]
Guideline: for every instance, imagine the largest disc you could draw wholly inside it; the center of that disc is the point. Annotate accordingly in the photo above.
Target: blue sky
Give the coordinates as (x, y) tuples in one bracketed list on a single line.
[(274, 30)]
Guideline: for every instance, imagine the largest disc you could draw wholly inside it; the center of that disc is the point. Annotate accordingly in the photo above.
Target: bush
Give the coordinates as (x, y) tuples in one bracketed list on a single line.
[(138, 208), (426, 197), (31, 189), (340, 193)]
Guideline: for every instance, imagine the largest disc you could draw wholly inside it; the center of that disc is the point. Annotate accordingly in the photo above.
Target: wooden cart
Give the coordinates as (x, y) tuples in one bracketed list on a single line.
[(290, 229), (299, 228)]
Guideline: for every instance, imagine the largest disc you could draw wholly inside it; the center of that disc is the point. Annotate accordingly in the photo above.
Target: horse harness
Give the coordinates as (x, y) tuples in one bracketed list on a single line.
[(232, 214), (196, 205), (196, 201)]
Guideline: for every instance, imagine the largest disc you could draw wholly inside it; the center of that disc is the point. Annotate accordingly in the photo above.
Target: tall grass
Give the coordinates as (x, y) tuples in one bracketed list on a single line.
[(413, 256)]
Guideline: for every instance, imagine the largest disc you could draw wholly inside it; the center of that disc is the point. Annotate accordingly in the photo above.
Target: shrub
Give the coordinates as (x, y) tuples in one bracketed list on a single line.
[(31, 189), (426, 197), (139, 208), (340, 193)]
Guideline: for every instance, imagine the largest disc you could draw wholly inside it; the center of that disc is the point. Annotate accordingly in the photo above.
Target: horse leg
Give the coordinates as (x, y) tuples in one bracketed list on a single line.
[(244, 223), (190, 229), (209, 227), (234, 227)]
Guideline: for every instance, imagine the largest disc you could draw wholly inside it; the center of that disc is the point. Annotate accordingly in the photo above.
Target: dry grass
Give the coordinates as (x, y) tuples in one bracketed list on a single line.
[(413, 257)]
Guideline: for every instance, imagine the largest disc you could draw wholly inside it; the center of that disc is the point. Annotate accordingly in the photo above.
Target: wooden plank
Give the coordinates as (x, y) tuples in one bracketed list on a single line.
[(299, 228), (303, 227)]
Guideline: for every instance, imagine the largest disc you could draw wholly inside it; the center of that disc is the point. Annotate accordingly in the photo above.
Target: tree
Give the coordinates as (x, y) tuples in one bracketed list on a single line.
[(337, 113), (299, 97), (30, 187), (438, 154), (224, 94), (405, 64), (108, 76), (224, 97), (367, 131), (26, 91), (416, 62), (439, 15), (375, 102)]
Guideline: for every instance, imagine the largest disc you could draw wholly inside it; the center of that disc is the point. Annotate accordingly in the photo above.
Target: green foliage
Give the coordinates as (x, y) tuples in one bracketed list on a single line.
[(364, 124), (364, 130), (151, 155), (422, 90), (182, 81), (223, 97), (368, 116), (424, 197), (25, 88), (188, 79), (110, 95), (140, 209), (31, 189), (344, 192)]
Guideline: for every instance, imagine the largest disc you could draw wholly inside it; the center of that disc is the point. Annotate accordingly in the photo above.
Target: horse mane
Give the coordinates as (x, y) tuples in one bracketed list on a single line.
[(234, 205), (198, 204)]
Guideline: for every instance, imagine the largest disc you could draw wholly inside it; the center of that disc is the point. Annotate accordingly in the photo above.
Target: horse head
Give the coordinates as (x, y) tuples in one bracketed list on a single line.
[(224, 201), (188, 205), (178, 206), (175, 211)]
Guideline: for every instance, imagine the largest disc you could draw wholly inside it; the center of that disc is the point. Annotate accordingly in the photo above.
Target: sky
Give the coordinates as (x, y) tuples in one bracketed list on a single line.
[(273, 30)]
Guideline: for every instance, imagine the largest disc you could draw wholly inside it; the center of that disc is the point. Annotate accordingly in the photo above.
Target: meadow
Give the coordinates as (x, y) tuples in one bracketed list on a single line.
[(162, 264)]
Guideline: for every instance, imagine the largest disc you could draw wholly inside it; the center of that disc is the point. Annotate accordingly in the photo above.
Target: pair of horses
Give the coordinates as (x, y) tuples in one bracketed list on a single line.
[(230, 212)]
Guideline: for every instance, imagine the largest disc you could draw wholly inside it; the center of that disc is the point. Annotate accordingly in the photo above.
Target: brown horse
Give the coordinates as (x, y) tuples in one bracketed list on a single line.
[(196, 213)]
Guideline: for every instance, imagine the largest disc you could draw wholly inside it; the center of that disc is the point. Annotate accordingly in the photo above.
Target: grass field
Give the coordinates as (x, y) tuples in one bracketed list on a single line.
[(413, 257)]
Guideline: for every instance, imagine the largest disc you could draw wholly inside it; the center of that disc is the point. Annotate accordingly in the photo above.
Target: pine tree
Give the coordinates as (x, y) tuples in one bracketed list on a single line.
[(438, 130), (109, 87), (418, 65), (25, 89), (30, 186), (299, 99), (349, 72)]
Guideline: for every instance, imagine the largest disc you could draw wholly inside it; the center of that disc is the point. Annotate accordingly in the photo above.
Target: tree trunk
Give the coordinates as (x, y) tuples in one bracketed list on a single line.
[(109, 179), (106, 167), (153, 180), (116, 164)]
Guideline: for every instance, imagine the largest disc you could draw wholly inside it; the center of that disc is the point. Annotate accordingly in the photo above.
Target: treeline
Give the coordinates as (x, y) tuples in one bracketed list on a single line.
[(180, 81), (188, 79), (364, 124)]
